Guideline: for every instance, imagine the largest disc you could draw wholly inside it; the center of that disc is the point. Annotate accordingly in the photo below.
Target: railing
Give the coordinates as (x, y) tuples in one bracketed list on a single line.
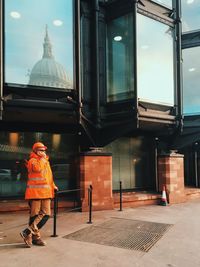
[(120, 196), (90, 203), (55, 210)]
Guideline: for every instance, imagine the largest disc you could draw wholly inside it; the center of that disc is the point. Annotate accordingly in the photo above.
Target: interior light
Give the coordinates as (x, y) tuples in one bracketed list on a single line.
[(191, 69), (56, 139), (117, 38), (15, 15), (13, 139), (58, 22)]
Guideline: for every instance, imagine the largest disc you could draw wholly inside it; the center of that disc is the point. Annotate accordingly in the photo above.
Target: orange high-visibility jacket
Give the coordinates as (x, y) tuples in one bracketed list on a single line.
[(40, 183)]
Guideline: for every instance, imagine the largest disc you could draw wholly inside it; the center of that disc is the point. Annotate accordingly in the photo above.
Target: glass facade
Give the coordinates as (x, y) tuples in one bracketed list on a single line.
[(191, 80), (39, 43), (15, 148), (167, 3), (132, 163), (190, 15), (120, 75), (155, 55)]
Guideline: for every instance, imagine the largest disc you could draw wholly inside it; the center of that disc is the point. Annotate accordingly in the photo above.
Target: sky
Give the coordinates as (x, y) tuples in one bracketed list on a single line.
[(25, 22), (190, 15), (167, 3), (191, 80), (155, 61)]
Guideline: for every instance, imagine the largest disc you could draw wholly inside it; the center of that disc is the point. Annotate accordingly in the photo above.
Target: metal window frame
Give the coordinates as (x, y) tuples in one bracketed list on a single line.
[(1, 58), (44, 92), (166, 16)]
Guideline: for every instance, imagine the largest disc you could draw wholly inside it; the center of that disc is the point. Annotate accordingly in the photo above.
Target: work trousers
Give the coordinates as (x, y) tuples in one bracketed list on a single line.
[(40, 210)]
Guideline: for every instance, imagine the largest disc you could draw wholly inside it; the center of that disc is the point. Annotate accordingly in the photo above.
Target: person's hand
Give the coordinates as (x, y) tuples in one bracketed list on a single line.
[(55, 188), (43, 159), (41, 154)]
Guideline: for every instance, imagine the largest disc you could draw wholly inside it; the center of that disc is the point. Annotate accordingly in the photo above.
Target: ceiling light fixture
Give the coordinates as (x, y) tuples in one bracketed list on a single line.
[(117, 38)]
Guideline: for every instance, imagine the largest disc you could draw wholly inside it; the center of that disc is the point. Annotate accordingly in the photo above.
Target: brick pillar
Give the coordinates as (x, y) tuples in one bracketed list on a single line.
[(171, 174), (96, 170)]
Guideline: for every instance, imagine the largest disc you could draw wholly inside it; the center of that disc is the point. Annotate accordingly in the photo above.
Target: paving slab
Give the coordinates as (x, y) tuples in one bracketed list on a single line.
[(178, 247)]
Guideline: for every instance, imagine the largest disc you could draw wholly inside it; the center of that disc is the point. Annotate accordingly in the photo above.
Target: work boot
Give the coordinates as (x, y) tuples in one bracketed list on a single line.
[(27, 238), (39, 242)]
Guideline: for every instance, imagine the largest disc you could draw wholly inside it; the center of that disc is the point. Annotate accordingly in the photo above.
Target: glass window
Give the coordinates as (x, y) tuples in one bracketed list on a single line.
[(39, 43), (190, 15), (191, 80), (120, 58), (15, 149), (155, 61), (132, 161), (167, 3)]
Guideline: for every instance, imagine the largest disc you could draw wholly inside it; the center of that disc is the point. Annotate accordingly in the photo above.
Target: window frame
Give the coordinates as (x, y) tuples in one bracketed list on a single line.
[(153, 10), (23, 90)]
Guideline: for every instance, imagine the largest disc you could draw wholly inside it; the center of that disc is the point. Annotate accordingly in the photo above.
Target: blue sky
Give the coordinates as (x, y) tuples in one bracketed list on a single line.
[(155, 61), (190, 15), (25, 22), (167, 3)]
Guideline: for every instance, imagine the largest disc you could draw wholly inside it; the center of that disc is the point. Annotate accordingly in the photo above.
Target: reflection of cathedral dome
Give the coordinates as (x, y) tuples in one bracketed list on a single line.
[(48, 72)]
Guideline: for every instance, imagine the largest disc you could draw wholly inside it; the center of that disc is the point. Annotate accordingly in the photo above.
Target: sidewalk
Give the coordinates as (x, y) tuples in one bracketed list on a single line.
[(178, 247)]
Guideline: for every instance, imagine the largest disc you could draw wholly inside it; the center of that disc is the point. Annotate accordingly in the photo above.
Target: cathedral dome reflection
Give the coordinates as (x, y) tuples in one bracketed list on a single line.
[(48, 72)]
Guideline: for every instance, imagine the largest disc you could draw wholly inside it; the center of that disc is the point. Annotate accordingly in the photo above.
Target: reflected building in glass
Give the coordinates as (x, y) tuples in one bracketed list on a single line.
[(113, 93), (47, 72)]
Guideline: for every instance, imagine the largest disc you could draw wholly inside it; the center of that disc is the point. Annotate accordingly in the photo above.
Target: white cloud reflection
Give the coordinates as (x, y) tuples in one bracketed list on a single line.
[(57, 22), (190, 2), (15, 15)]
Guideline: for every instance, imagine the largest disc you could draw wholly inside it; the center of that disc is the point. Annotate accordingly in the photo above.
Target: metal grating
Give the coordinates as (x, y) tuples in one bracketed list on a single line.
[(123, 233)]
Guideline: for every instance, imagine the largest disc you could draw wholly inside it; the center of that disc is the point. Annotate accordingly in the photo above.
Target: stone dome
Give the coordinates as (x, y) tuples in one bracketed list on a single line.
[(48, 72)]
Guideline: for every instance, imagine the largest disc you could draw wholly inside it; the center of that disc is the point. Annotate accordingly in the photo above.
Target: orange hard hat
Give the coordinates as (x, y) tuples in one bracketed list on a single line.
[(38, 145)]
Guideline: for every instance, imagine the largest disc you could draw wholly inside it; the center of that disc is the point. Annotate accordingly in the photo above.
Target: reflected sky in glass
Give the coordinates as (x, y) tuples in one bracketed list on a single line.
[(191, 80), (167, 3), (155, 61), (25, 22), (120, 58), (190, 15)]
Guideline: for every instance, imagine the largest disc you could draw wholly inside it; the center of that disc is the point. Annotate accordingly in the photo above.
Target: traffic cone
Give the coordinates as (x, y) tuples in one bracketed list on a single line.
[(164, 197)]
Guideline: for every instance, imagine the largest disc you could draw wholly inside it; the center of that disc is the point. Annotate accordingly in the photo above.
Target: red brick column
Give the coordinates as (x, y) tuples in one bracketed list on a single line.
[(171, 174), (96, 170)]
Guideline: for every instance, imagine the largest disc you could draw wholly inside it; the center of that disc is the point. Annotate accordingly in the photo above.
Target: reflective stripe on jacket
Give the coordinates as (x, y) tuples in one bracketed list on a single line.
[(40, 183)]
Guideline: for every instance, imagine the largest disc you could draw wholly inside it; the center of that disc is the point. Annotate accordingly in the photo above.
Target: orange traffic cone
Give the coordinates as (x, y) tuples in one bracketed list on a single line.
[(164, 197)]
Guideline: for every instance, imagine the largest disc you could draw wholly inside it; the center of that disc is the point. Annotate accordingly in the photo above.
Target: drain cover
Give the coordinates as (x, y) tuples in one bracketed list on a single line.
[(123, 233)]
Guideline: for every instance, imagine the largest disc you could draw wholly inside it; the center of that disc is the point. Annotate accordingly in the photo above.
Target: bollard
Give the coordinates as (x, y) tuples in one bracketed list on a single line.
[(90, 203), (55, 209), (120, 195)]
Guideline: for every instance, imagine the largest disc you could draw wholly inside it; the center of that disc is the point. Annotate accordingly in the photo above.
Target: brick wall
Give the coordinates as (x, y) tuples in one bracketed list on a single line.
[(171, 174), (96, 170)]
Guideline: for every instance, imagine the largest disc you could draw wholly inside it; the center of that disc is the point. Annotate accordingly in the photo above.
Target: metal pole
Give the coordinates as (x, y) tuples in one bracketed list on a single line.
[(120, 195), (90, 203), (96, 59), (55, 214), (136, 102), (196, 165), (179, 64), (156, 164), (1, 58)]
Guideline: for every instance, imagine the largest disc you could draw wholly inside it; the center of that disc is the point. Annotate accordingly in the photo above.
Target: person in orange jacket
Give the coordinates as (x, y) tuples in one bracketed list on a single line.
[(39, 192)]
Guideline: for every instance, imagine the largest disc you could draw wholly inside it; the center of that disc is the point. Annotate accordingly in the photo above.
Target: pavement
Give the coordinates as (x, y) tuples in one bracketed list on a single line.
[(178, 247)]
